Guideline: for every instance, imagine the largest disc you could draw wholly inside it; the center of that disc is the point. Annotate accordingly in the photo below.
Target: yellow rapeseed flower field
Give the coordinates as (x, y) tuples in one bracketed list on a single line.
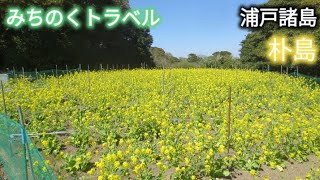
[(158, 123)]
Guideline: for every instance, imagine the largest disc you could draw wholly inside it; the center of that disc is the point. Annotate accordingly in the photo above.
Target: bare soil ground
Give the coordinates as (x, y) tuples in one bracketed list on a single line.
[(293, 171), (2, 174)]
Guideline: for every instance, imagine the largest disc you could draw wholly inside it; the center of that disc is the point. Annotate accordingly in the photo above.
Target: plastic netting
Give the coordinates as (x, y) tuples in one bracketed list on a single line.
[(51, 72), (19, 158), (305, 76)]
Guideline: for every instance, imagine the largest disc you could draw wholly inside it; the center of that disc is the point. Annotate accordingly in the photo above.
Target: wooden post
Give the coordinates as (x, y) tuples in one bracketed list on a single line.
[(88, 67), (67, 69), (56, 70), (128, 66), (268, 68), (101, 68), (229, 120), (80, 67), (23, 71), (14, 73), (36, 70), (3, 99), (287, 70)]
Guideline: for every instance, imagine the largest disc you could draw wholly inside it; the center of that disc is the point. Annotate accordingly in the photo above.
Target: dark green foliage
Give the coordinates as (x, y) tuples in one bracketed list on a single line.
[(161, 58), (193, 58)]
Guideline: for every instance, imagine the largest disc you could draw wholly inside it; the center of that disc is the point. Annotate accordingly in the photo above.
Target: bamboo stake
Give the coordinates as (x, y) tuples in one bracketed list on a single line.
[(36, 73), (89, 82), (3, 99), (23, 135), (229, 120), (56, 70)]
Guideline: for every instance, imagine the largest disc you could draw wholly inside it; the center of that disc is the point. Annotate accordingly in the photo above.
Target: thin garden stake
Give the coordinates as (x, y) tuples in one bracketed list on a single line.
[(25, 141), (14, 73), (23, 138), (3, 99), (23, 71), (163, 76), (89, 83), (229, 120), (36, 73), (56, 70)]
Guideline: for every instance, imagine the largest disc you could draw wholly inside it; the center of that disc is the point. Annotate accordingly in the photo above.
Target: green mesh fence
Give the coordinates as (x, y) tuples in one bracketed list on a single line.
[(51, 72), (311, 78), (16, 161)]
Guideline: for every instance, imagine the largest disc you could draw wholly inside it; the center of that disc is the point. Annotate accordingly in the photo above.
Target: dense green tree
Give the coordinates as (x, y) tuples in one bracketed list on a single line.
[(222, 56), (161, 58), (193, 58)]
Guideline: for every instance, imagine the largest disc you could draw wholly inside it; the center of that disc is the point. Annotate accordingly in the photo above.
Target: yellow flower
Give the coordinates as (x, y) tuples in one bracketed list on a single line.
[(178, 170), (253, 173), (187, 161), (207, 168), (137, 151), (221, 149), (134, 159), (125, 165), (91, 171), (116, 164), (45, 143), (104, 145)]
